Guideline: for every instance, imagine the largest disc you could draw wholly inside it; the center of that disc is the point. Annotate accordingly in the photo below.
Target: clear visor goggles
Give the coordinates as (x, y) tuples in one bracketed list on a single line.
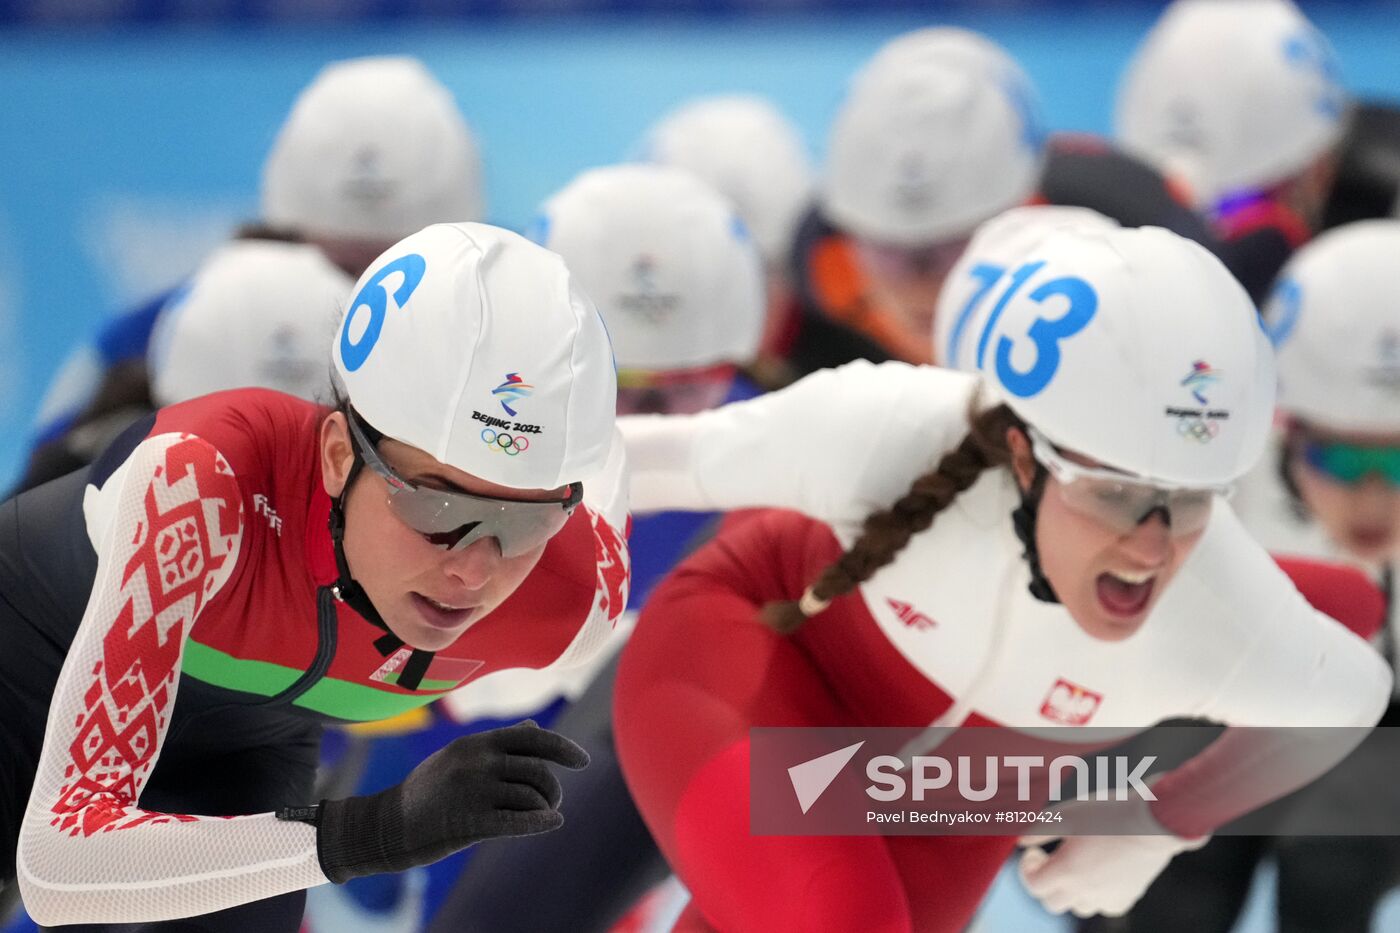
[(1120, 502), (455, 520)]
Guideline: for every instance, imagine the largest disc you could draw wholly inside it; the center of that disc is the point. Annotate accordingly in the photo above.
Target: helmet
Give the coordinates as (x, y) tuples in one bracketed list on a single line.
[(1335, 320), (1135, 347), (374, 149), (1230, 95), (464, 331), (948, 44), (926, 151), (994, 248), (677, 278), (257, 313), (962, 48), (749, 152)]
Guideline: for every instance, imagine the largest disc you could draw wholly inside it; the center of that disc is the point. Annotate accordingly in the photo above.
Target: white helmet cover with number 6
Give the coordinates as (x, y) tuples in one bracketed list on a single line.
[(1335, 319), (464, 333), (1135, 347)]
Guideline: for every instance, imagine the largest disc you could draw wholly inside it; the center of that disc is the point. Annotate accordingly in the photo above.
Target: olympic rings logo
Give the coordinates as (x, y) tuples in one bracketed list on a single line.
[(1197, 429), (512, 446)]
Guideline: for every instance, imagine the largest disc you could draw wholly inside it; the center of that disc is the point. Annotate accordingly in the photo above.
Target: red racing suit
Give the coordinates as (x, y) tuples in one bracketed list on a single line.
[(202, 563)]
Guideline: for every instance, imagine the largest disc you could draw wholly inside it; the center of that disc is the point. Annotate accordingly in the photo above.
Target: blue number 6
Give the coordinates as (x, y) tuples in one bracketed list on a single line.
[(1046, 334), (376, 298)]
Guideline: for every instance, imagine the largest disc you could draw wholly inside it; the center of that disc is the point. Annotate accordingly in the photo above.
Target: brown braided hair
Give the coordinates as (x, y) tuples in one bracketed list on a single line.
[(885, 533)]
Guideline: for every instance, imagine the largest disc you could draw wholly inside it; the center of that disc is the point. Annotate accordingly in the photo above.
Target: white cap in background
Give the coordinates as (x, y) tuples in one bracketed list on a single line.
[(257, 313), (971, 288), (373, 149), (1230, 95), (671, 267), (926, 151), (464, 332), (951, 45), (1335, 319), (748, 151)]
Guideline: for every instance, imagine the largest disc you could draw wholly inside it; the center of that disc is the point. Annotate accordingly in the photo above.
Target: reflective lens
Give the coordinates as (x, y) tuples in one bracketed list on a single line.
[(1351, 463), (1124, 506), (454, 520), (1120, 502)]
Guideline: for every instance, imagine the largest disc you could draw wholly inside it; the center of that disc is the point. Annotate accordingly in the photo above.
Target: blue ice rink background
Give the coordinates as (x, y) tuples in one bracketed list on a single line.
[(125, 155)]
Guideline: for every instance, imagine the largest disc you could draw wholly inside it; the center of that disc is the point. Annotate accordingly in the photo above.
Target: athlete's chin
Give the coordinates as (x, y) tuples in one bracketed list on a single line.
[(1108, 626)]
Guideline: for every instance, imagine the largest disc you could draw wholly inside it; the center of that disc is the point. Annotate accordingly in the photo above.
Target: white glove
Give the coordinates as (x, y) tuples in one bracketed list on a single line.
[(1090, 875)]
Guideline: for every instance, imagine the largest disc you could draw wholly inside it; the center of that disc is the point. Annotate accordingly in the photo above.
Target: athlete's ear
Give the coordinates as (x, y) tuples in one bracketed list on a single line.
[(1022, 460), (337, 454)]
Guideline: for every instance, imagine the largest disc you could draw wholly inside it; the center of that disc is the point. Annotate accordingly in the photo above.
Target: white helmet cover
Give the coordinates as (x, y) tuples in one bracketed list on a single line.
[(924, 152), (994, 248), (1135, 347), (1335, 320), (961, 48), (672, 268), (1230, 95), (463, 333), (373, 149), (257, 313), (749, 152)]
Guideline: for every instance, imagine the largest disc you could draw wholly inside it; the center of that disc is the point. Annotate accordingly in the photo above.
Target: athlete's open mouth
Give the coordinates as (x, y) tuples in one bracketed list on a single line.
[(1369, 538), (441, 615), (1125, 594)]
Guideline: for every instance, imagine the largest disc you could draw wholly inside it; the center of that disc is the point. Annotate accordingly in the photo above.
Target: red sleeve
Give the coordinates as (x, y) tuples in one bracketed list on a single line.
[(1344, 593)]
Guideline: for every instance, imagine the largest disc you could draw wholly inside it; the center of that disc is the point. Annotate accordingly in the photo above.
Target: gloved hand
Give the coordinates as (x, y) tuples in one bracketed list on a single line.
[(495, 783), (1088, 875)]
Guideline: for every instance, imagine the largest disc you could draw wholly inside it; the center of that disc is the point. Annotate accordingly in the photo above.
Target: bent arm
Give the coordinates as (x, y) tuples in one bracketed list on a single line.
[(833, 445), (167, 528)]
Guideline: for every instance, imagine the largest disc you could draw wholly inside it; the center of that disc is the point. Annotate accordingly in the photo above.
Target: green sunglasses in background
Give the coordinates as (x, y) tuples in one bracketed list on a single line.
[(1351, 463)]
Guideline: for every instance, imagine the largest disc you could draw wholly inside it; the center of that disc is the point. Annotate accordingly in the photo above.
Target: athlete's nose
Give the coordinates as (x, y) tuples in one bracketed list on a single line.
[(1150, 543), (474, 565)]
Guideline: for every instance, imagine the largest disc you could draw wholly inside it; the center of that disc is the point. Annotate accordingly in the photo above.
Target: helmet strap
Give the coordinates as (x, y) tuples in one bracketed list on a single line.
[(348, 591), (1023, 520)]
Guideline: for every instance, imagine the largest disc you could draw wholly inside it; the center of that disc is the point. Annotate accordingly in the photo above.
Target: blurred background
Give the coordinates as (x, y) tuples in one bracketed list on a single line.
[(132, 131)]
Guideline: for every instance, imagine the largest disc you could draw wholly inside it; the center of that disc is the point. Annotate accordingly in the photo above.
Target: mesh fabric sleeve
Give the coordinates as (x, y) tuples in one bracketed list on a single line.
[(167, 528), (605, 498)]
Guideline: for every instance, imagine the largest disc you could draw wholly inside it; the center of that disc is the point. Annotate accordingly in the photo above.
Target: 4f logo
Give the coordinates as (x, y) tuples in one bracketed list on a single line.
[(911, 617), (1070, 704)]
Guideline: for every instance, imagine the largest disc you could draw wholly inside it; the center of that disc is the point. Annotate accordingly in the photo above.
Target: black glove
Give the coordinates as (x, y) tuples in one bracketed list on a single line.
[(495, 783)]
